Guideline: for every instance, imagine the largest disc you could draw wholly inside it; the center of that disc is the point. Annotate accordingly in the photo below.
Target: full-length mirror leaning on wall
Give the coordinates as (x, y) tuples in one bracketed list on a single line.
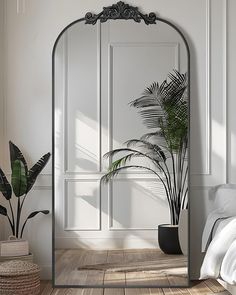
[(121, 126)]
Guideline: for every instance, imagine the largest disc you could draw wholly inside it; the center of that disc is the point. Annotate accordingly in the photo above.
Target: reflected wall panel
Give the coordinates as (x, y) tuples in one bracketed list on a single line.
[(82, 205), (82, 99), (137, 204)]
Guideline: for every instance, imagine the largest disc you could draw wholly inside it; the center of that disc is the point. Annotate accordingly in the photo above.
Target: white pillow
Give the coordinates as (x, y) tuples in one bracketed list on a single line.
[(217, 250), (225, 198), (224, 207)]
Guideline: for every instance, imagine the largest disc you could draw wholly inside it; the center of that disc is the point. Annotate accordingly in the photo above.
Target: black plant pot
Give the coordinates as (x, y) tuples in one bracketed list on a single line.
[(168, 239)]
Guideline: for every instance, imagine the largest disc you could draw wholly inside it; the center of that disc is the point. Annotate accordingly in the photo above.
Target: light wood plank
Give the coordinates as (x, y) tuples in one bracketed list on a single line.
[(145, 279), (114, 291), (176, 291), (200, 288), (132, 267), (177, 280), (94, 291), (156, 291), (46, 288), (118, 267), (136, 291), (95, 277), (67, 268), (214, 286), (112, 278)]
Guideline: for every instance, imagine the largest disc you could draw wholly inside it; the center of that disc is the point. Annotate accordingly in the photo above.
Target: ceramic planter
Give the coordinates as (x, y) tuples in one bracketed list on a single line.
[(168, 239), (183, 231)]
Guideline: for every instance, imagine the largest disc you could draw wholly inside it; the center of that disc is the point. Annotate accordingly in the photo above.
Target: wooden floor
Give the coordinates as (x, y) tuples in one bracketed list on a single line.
[(199, 288), (133, 267)]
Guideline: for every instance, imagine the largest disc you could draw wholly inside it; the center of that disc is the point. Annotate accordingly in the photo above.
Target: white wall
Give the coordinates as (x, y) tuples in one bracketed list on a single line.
[(30, 30)]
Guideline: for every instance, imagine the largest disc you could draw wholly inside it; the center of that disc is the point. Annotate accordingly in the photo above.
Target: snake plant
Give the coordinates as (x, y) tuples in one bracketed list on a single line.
[(164, 110), (22, 180)]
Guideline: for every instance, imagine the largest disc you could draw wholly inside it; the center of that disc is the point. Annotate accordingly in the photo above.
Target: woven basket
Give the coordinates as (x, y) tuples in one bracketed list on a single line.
[(19, 277), (14, 247), (28, 258)]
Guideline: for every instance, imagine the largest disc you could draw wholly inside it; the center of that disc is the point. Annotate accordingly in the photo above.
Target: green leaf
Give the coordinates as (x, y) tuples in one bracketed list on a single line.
[(18, 178), (37, 212), (115, 171), (165, 107), (3, 211), (16, 154), (5, 186), (156, 149), (35, 170), (31, 216)]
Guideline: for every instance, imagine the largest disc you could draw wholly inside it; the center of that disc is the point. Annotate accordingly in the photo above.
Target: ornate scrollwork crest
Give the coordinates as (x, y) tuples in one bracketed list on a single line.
[(120, 10)]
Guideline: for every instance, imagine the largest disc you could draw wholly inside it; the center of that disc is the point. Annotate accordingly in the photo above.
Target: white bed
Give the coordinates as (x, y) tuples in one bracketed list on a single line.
[(219, 238)]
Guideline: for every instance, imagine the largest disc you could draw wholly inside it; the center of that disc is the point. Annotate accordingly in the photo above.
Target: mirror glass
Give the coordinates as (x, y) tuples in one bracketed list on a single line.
[(120, 99)]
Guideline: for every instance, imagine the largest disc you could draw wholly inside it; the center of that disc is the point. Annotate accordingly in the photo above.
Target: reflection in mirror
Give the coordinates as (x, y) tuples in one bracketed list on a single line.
[(113, 82)]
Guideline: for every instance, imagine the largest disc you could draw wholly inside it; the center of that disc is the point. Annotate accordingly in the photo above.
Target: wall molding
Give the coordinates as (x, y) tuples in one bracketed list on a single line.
[(110, 206), (65, 104), (109, 243), (211, 176), (112, 45), (208, 88), (128, 175), (65, 206), (226, 100), (99, 93), (208, 136), (20, 6)]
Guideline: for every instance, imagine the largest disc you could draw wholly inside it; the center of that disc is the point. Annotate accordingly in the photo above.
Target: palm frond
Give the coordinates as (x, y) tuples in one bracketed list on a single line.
[(155, 159), (112, 153), (155, 134), (113, 173), (122, 161), (156, 149), (163, 108)]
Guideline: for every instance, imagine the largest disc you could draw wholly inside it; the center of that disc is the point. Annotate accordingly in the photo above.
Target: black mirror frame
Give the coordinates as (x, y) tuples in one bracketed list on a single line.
[(117, 11)]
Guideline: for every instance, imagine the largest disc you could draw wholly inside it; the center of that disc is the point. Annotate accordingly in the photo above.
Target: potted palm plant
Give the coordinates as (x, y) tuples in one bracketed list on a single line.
[(164, 110), (22, 181)]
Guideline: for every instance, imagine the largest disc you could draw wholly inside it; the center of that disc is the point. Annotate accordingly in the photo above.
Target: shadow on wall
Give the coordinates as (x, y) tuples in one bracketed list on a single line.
[(122, 219)]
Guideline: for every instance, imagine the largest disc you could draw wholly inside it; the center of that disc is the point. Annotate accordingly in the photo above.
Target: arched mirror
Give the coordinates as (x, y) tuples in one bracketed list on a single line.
[(120, 141)]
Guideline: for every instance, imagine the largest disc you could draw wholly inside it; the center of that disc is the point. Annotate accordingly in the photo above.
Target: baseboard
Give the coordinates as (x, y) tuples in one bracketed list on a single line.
[(46, 272), (105, 243)]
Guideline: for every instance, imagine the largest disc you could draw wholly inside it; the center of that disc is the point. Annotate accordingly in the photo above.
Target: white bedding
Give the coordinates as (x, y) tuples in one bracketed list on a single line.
[(224, 196), (220, 258), (228, 267)]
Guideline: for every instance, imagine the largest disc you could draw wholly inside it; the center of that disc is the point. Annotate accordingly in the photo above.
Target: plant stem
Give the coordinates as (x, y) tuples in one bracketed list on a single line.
[(22, 203), (18, 217), (184, 198), (185, 194), (23, 227), (13, 219), (174, 172), (11, 225)]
